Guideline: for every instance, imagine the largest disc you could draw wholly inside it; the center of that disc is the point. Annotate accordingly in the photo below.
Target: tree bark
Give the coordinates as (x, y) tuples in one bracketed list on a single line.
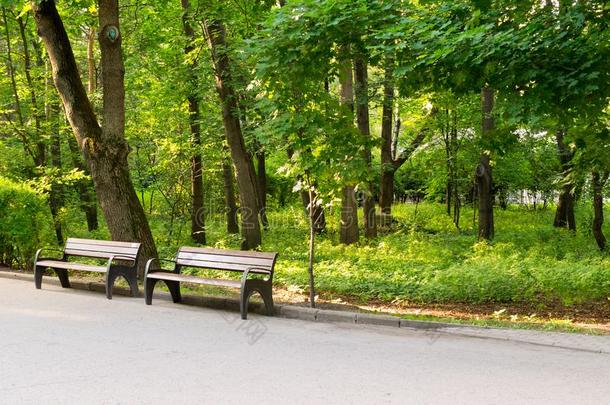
[(85, 187), (197, 207), (244, 168), (230, 203), (91, 76), (105, 147), (598, 183), (349, 208), (564, 214), (362, 117), (483, 172), (386, 193)]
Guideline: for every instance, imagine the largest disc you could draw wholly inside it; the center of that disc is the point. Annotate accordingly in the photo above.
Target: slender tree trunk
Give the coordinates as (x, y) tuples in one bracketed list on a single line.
[(261, 174), (312, 238), (564, 214), (91, 76), (85, 187), (386, 192), (197, 208), (362, 117), (56, 198), (40, 153), (598, 183), (230, 203), (483, 171), (105, 148), (246, 177), (349, 208)]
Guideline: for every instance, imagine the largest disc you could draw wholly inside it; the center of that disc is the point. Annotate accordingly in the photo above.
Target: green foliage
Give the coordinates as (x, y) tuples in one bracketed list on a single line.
[(24, 223)]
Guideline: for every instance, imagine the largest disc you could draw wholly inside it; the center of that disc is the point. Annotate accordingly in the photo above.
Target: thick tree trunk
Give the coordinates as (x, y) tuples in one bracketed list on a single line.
[(483, 171), (244, 168), (564, 214), (598, 183), (362, 117), (349, 208), (197, 208), (105, 148)]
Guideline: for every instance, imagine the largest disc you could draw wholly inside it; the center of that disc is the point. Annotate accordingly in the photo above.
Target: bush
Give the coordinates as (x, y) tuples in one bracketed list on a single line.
[(24, 223)]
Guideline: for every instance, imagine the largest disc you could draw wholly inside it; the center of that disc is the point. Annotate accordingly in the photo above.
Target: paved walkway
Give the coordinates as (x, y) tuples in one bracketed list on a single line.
[(68, 346)]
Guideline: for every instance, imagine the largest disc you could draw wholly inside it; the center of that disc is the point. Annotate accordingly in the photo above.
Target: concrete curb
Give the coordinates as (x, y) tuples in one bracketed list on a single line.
[(570, 341)]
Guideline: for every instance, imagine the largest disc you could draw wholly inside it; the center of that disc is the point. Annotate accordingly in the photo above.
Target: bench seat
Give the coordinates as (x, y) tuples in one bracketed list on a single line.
[(161, 275), (58, 264), (121, 261), (256, 268)]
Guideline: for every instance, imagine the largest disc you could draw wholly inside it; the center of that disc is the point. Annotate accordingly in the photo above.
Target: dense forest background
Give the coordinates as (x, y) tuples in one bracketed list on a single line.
[(415, 151)]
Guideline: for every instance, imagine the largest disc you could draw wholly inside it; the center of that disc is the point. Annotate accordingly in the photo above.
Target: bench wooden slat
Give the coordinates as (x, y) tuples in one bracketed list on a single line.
[(71, 266), (194, 279), (103, 242), (102, 248), (98, 254), (223, 252), (220, 266), (204, 257)]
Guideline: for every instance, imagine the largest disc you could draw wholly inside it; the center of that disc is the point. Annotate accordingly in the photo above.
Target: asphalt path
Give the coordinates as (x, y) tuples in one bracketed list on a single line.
[(64, 346)]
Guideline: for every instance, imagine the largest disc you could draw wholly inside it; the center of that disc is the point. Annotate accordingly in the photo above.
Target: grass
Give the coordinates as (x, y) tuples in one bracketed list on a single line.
[(425, 261)]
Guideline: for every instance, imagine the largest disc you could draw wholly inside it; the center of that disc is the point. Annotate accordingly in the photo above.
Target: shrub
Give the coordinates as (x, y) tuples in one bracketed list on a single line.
[(24, 223)]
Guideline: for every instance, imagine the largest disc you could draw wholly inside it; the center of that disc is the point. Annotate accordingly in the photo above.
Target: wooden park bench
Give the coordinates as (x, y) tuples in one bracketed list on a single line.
[(252, 265), (121, 260)]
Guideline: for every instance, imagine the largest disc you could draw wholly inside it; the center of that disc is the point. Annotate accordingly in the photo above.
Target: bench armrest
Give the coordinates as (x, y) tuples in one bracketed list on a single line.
[(267, 271), (119, 257), (154, 259), (46, 249)]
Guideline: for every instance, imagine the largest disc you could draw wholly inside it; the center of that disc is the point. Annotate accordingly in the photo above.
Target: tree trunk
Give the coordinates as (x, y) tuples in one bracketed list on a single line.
[(230, 204), (91, 76), (349, 208), (261, 175), (319, 219), (106, 148), (197, 208), (598, 183), (386, 192), (362, 117), (84, 187), (564, 214), (246, 177), (483, 171)]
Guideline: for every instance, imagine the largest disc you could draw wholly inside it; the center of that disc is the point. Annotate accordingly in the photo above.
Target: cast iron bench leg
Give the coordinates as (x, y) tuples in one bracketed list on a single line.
[(174, 290), (172, 286), (63, 277), (263, 288), (38, 270), (149, 287)]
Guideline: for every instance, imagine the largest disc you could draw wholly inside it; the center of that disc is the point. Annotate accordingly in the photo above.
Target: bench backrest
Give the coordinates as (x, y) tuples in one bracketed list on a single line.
[(221, 259), (101, 249)]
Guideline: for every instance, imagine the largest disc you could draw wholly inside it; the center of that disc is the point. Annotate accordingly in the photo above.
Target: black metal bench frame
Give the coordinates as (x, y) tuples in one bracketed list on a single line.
[(112, 270), (247, 285)]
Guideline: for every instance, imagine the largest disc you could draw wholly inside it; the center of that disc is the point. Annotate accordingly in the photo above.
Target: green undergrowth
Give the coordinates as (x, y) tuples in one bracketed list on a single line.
[(424, 259)]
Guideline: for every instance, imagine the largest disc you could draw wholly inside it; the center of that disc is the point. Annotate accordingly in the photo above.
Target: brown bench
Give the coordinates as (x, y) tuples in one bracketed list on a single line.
[(121, 260), (253, 265)]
